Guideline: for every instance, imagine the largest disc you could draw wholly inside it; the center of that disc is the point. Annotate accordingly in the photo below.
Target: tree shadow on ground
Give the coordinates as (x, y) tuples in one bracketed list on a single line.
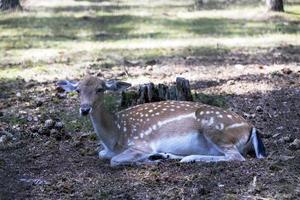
[(120, 27), (214, 57)]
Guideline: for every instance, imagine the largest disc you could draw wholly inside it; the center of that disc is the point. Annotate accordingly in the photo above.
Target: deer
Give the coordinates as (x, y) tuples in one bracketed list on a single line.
[(151, 132)]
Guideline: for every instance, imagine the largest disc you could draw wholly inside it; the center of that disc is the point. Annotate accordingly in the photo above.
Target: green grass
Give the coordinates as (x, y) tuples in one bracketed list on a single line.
[(41, 42)]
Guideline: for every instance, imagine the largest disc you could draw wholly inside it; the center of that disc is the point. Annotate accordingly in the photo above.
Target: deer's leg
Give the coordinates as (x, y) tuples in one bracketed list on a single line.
[(106, 153), (130, 156), (229, 155)]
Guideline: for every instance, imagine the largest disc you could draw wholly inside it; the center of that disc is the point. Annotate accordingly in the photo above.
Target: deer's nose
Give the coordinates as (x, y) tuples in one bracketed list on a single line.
[(85, 109)]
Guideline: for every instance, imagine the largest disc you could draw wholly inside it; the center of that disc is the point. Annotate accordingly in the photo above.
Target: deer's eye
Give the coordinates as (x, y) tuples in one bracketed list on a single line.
[(99, 90), (77, 90)]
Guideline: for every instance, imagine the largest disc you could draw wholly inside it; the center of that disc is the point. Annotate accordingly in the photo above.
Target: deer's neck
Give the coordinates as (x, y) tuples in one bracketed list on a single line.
[(106, 130)]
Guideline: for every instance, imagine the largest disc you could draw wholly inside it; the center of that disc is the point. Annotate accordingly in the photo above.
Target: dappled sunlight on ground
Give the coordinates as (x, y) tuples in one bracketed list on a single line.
[(48, 34)]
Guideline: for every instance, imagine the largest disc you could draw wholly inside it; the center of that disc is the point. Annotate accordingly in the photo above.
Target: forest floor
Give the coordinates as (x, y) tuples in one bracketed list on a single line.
[(236, 55)]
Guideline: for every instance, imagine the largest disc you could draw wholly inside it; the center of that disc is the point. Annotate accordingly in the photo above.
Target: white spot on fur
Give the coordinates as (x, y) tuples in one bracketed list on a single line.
[(220, 126), (236, 125), (154, 127), (191, 115), (148, 131)]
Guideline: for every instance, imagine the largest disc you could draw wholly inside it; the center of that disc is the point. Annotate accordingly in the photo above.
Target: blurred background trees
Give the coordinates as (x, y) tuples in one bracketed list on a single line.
[(275, 5), (9, 4)]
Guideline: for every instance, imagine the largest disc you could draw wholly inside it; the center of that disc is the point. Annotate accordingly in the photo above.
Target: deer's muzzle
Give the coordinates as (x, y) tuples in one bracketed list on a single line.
[(85, 109)]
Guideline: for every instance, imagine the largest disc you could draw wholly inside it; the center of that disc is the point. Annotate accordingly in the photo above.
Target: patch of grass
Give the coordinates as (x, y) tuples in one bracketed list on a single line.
[(14, 120), (73, 122), (214, 100)]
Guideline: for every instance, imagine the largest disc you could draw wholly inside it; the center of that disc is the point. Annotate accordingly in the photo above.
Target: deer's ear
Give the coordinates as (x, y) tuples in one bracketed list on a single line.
[(115, 85), (68, 86)]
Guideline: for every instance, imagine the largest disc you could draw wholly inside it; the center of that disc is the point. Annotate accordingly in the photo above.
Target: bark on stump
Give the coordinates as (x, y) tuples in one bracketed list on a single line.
[(147, 93)]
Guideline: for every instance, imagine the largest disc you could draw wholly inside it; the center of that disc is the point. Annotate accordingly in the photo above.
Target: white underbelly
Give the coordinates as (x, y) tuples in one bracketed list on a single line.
[(189, 144)]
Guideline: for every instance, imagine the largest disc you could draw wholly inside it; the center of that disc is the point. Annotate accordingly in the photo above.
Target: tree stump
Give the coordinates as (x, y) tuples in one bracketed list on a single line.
[(147, 93)]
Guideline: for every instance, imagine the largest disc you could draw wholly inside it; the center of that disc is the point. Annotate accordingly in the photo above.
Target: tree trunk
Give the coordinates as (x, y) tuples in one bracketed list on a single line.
[(9, 4), (275, 5)]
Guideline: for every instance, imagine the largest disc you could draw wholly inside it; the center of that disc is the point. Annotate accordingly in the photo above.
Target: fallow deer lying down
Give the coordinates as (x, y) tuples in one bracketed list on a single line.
[(146, 133)]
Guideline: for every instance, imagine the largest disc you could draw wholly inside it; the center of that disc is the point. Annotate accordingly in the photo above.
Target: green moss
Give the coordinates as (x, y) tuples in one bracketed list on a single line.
[(111, 102), (214, 100), (127, 98)]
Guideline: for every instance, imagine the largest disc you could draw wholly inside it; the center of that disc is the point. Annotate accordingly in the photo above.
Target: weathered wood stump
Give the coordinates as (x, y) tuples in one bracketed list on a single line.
[(146, 93)]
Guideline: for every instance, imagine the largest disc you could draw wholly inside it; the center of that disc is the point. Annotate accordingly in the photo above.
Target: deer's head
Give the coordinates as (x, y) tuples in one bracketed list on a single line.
[(91, 91)]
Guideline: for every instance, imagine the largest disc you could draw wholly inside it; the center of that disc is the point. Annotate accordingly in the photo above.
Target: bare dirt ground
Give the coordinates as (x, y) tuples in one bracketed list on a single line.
[(43, 162), (242, 59)]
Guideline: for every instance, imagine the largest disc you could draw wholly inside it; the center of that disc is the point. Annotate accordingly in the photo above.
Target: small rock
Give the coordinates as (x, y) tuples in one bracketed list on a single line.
[(231, 82), (295, 145), (53, 131), (259, 109), (3, 139), (285, 139), (35, 118), (286, 158), (286, 70), (59, 125), (279, 128), (18, 94), (29, 118), (49, 123)]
